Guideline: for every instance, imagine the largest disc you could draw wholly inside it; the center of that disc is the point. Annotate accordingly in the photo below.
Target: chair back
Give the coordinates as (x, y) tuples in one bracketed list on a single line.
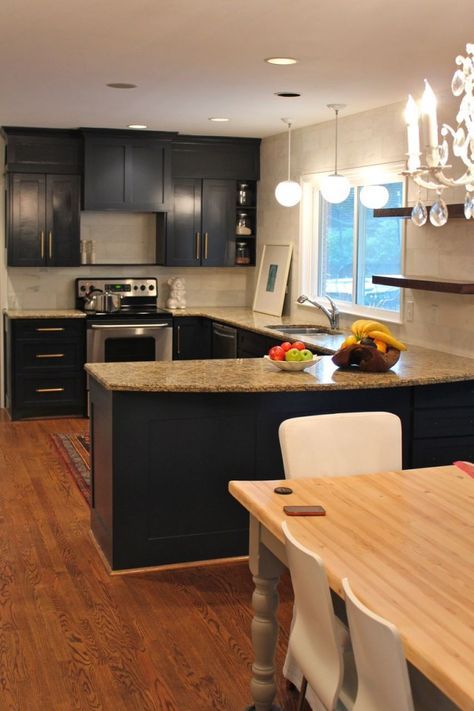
[(314, 641), (341, 444), (382, 674)]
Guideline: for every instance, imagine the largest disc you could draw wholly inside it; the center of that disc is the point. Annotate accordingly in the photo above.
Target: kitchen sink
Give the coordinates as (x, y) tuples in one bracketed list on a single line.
[(305, 329)]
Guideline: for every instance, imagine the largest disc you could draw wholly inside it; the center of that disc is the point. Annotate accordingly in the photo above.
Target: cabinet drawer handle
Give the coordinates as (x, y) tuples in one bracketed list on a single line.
[(49, 355), (206, 238), (50, 244), (42, 244), (49, 390), (55, 328), (198, 244)]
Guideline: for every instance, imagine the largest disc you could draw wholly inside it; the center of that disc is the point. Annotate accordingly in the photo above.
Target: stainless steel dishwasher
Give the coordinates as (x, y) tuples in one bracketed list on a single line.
[(224, 341)]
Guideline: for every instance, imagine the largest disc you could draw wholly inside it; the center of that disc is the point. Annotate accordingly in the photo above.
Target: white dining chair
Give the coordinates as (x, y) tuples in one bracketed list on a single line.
[(339, 444), (382, 673), (318, 640)]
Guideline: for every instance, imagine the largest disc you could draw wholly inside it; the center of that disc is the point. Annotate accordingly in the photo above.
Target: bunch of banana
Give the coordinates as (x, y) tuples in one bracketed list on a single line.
[(373, 333)]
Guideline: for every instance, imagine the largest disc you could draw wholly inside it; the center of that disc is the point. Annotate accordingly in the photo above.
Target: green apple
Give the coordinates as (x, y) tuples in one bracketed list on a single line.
[(306, 354), (293, 355)]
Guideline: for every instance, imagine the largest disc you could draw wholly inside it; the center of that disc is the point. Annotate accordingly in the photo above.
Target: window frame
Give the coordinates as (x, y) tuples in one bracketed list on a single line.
[(309, 267)]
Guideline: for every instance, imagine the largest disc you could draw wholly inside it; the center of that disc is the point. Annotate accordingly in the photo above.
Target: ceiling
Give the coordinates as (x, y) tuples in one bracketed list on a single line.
[(192, 59)]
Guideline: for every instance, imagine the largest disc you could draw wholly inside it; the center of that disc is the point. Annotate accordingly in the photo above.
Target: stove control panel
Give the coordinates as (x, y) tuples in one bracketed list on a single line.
[(127, 287)]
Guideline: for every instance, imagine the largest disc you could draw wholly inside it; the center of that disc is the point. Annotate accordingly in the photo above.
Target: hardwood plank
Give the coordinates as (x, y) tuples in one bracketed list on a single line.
[(74, 637)]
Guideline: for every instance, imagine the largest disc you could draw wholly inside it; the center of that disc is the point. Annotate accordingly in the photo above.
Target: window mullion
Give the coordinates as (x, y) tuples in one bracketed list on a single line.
[(355, 246)]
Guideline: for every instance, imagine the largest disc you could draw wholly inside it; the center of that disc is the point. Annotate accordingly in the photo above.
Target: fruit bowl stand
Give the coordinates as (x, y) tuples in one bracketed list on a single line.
[(366, 358)]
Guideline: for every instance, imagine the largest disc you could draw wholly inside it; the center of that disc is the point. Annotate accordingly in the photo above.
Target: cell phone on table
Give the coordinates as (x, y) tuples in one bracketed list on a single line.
[(304, 510)]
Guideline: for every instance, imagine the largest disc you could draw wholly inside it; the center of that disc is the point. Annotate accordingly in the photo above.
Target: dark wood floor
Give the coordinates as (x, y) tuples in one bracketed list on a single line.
[(74, 637)]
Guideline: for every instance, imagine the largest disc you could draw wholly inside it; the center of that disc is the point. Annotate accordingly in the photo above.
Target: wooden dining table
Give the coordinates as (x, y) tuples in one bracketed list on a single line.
[(404, 539)]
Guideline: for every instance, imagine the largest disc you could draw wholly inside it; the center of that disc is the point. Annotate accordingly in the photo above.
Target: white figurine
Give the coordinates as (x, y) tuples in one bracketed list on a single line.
[(177, 296)]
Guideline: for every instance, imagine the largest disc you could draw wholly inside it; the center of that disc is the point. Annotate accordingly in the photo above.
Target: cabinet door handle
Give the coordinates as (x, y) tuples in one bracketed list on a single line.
[(50, 244), (49, 390), (55, 328), (198, 245), (42, 244), (206, 238), (178, 345), (49, 355)]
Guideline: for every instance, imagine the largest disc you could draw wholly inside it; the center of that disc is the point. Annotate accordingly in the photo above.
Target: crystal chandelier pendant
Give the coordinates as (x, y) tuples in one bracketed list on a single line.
[(439, 212), (469, 206), (443, 152), (458, 82), (419, 214)]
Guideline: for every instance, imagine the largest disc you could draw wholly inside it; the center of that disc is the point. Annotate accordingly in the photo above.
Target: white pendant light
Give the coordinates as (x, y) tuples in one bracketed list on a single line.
[(288, 192), (335, 188), (374, 196)]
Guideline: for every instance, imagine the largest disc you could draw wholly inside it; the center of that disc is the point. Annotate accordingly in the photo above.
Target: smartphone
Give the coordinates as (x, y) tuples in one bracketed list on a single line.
[(304, 510)]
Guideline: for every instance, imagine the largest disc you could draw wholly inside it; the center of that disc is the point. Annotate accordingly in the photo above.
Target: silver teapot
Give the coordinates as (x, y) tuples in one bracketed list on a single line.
[(103, 301)]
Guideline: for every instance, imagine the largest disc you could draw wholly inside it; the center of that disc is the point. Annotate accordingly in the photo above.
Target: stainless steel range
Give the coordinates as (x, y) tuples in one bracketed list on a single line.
[(135, 330)]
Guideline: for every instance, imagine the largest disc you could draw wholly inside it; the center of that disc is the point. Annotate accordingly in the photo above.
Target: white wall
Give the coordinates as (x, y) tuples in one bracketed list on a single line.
[(441, 321)]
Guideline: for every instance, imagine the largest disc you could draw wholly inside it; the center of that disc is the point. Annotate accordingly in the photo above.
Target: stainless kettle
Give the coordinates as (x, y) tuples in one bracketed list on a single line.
[(103, 301)]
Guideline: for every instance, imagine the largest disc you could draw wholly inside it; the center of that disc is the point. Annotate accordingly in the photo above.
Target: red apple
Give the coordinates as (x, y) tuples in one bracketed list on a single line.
[(286, 345), (276, 353), (299, 345)]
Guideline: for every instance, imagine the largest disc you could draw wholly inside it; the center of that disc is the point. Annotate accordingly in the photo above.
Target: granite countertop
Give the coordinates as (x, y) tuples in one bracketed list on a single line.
[(44, 313), (417, 366)]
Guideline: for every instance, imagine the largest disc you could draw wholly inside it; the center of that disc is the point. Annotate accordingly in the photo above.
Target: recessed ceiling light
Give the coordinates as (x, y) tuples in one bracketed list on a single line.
[(281, 60), (137, 125), (121, 85), (218, 119), (287, 94)]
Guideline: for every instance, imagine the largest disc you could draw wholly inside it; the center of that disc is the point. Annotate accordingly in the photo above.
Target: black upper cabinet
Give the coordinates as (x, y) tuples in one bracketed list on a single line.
[(211, 157), (43, 220), (42, 150), (124, 172), (201, 224)]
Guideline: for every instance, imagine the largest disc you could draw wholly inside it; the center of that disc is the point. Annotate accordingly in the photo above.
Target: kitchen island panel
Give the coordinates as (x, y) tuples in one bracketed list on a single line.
[(170, 456)]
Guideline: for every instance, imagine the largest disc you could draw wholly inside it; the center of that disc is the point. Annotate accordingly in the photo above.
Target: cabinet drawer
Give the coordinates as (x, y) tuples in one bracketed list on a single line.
[(445, 395), (49, 329), (56, 355), (444, 422), (47, 394)]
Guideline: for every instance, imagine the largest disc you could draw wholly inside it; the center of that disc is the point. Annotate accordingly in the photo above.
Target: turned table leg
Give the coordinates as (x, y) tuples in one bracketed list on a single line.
[(266, 569)]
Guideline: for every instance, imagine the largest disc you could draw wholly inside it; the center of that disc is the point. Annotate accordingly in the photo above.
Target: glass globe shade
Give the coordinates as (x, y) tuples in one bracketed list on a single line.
[(335, 188), (288, 193), (374, 196)]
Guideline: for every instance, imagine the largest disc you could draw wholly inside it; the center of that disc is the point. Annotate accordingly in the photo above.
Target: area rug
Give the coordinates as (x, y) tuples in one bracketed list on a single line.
[(74, 449)]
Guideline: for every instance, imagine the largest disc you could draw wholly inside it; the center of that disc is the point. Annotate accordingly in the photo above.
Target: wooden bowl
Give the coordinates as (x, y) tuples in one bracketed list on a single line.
[(366, 358)]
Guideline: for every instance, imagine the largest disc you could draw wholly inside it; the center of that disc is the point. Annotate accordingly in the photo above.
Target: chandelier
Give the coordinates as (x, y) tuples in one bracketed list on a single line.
[(432, 175)]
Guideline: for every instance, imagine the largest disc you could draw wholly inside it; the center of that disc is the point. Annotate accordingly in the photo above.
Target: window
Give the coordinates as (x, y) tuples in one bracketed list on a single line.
[(345, 245)]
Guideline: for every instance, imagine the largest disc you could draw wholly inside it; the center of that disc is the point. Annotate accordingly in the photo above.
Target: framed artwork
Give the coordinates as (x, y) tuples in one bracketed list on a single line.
[(272, 278)]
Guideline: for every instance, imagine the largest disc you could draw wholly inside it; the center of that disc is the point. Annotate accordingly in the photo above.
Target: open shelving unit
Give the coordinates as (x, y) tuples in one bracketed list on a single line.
[(425, 283)]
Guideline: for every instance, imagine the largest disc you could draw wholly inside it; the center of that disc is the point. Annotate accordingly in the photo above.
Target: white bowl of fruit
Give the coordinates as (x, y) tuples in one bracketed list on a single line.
[(291, 356)]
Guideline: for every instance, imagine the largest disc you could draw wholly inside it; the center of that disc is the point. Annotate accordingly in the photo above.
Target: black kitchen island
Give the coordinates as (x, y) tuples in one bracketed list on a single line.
[(166, 438)]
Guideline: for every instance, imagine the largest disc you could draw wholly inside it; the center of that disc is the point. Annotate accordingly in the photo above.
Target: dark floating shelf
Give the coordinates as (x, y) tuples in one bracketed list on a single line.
[(449, 286), (456, 210)]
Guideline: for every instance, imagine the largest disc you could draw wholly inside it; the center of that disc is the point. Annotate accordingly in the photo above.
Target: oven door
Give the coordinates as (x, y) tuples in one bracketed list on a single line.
[(125, 342)]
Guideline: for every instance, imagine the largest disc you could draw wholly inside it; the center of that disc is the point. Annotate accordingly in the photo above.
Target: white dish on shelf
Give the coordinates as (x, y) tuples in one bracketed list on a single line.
[(293, 365)]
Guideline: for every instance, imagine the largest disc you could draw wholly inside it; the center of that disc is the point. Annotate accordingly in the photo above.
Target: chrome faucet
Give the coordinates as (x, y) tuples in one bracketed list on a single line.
[(332, 314)]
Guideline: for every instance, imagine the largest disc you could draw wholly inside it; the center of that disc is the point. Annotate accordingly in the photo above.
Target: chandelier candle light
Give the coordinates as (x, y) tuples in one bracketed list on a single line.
[(288, 192), (432, 175)]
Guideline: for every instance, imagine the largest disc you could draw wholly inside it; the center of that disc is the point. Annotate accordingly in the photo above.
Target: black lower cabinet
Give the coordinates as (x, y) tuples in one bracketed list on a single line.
[(443, 424), (254, 345), (45, 367), (161, 464), (191, 338)]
